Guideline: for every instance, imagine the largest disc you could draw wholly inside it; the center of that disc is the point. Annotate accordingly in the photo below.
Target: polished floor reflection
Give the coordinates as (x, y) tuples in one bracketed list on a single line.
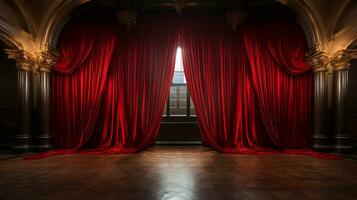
[(178, 173)]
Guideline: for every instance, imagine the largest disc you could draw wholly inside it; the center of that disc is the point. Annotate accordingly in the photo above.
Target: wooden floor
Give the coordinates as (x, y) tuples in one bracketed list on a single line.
[(178, 173)]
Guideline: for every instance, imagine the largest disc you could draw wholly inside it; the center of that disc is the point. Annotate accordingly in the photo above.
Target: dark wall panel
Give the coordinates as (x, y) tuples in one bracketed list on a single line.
[(351, 106), (177, 132), (8, 100)]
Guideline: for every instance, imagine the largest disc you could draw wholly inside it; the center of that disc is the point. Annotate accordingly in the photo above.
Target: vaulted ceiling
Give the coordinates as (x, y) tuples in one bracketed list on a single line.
[(34, 24), (171, 5)]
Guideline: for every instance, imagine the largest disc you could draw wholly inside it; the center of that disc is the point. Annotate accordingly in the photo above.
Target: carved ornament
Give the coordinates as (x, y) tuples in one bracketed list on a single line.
[(341, 60), (318, 60), (127, 19), (234, 18), (45, 60), (23, 59)]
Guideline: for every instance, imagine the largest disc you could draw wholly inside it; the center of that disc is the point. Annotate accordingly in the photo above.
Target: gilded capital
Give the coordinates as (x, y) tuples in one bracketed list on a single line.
[(24, 60), (318, 60), (341, 60), (45, 60)]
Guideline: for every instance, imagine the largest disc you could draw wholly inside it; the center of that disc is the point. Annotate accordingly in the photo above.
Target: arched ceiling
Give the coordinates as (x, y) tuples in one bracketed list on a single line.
[(35, 24)]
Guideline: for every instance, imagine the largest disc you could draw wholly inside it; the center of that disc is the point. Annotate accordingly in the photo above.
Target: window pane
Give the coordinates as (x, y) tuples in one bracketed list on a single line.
[(178, 100), (179, 78), (179, 75), (178, 61)]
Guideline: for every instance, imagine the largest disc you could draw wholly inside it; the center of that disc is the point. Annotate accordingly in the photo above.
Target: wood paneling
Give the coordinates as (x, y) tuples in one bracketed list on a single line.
[(179, 132)]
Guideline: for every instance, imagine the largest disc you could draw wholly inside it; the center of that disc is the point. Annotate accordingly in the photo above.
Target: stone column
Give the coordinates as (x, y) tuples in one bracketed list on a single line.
[(45, 61), (340, 63), (320, 139), (22, 139)]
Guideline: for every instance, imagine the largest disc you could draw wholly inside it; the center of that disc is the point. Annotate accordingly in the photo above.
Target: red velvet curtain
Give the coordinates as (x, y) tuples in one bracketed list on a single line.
[(79, 39), (110, 85), (77, 96), (276, 52), (251, 88), (137, 86)]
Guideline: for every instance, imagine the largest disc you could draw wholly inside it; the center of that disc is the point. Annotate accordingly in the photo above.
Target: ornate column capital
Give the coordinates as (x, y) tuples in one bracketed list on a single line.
[(127, 19), (45, 60), (341, 59), (318, 60), (24, 60)]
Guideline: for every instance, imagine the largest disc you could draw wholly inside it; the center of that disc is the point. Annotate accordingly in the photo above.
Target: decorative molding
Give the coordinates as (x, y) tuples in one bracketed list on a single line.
[(55, 19), (23, 59), (45, 60), (234, 18), (41, 61), (179, 5), (346, 37), (341, 59), (318, 60), (352, 52), (127, 19)]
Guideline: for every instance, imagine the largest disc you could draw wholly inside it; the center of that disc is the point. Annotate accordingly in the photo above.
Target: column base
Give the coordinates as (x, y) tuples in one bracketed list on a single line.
[(321, 143), (21, 144), (43, 143), (343, 144)]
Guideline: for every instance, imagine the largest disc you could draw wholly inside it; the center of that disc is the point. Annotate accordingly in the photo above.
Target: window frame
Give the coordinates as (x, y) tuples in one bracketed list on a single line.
[(167, 117), (184, 118)]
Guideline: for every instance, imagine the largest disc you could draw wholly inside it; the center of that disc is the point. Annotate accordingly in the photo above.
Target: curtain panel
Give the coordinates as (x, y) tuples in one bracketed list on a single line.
[(251, 88)]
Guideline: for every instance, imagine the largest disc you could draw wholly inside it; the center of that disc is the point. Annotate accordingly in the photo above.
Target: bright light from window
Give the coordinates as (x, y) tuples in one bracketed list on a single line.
[(178, 63), (179, 103), (179, 76)]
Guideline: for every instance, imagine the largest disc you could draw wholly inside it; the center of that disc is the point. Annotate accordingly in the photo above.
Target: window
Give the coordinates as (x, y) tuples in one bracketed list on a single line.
[(179, 103)]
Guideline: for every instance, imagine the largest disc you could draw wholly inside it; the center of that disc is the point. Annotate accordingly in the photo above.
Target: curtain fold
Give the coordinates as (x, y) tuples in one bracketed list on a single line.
[(75, 45), (138, 86), (282, 86), (211, 78), (77, 97), (287, 45)]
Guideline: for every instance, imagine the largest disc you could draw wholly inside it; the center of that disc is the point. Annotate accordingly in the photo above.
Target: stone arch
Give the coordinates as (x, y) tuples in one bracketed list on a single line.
[(57, 16), (345, 32), (351, 38), (310, 21), (9, 40)]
